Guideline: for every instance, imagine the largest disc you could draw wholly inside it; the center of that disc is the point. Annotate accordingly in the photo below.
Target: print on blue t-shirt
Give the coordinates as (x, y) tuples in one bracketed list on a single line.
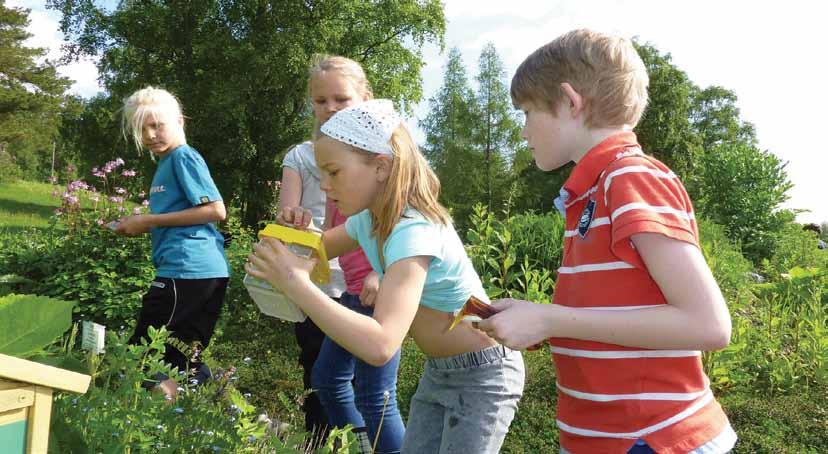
[(183, 181), (450, 279)]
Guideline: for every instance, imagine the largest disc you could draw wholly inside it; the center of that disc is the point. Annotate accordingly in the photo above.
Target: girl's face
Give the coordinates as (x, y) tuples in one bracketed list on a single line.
[(352, 181), (161, 133), (332, 92)]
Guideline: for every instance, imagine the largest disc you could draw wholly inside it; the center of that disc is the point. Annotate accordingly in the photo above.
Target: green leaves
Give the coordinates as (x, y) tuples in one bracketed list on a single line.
[(29, 323)]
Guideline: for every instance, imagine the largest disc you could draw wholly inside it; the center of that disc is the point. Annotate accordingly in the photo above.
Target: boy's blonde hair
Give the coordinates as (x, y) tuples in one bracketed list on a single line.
[(605, 70), (411, 183), (347, 68), (150, 101)]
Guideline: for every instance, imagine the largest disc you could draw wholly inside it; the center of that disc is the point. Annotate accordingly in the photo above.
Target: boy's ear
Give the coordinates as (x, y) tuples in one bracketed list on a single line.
[(574, 100)]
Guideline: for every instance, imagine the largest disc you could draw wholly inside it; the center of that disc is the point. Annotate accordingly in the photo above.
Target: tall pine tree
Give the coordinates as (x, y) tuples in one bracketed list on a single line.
[(30, 99), (450, 147), (498, 133)]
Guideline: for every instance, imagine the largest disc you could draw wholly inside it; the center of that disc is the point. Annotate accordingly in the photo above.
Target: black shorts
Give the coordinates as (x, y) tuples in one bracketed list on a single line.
[(189, 308)]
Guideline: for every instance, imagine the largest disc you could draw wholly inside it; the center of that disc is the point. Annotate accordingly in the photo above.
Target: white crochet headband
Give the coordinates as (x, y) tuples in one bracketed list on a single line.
[(368, 125)]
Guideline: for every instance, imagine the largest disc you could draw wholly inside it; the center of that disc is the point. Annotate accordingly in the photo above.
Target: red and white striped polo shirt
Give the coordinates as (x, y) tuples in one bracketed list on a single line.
[(610, 395)]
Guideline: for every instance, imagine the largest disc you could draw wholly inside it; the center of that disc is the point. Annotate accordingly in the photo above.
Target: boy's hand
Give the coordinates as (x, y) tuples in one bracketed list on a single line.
[(273, 262), (370, 288), (517, 324), (296, 217), (133, 225)]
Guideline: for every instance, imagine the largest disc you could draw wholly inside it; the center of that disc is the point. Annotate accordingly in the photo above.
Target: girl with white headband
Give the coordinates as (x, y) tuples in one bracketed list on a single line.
[(343, 390), (375, 174)]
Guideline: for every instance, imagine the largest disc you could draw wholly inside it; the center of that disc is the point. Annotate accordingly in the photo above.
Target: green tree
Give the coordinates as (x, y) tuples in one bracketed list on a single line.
[(449, 133), (742, 188), (666, 131), (498, 134), (240, 68), (715, 118), (31, 98)]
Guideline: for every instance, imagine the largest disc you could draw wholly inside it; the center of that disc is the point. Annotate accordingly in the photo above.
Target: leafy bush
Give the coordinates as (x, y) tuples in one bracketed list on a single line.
[(743, 188), (532, 242), (77, 259), (118, 415), (780, 340), (731, 270), (9, 170), (797, 247)]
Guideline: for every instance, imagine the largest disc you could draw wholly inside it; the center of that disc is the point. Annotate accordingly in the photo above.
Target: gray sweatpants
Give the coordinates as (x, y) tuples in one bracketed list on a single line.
[(465, 403)]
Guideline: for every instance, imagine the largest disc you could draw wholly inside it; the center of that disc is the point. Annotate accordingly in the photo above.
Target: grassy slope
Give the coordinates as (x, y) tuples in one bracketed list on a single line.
[(765, 424), (26, 204)]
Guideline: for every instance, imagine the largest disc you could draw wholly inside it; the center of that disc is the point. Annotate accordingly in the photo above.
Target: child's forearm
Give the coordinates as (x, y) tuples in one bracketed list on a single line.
[(660, 328), (201, 214), (361, 335)]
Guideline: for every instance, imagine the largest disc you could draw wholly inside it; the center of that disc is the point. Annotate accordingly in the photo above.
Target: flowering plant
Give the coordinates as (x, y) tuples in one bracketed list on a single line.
[(86, 262), (83, 203)]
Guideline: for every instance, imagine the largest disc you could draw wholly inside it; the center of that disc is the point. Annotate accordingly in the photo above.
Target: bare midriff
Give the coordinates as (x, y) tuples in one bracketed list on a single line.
[(430, 332)]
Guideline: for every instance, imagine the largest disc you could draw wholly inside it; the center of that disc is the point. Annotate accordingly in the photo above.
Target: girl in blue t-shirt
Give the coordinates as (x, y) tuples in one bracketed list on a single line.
[(187, 250), (374, 173)]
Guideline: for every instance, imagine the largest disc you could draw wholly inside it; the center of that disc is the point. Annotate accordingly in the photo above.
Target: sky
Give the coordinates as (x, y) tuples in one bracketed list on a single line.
[(769, 53)]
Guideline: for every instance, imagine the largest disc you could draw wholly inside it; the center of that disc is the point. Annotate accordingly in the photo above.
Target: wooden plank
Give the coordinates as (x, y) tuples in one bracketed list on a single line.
[(11, 416), (10, 384), (40, 374), (12, 399), (39, 417)]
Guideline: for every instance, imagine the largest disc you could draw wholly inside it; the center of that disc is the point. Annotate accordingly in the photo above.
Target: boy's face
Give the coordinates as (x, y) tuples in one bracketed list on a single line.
[(551, 137)]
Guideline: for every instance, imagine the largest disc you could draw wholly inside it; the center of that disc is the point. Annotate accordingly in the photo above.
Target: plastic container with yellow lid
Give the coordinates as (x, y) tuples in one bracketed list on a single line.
[(304, 243)]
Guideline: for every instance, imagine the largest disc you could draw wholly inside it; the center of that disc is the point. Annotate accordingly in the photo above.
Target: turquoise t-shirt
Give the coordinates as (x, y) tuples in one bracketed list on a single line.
[(183, 181), (450, 279)]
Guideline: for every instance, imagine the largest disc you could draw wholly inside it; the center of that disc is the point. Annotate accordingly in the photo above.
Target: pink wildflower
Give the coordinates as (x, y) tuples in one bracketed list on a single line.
[(136, 210), (99, 222), (145, 203), (120, 190), (128, 173)]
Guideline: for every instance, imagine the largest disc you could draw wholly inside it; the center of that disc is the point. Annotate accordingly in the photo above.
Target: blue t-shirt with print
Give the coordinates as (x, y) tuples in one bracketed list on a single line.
[(450, 278), (183, 181)]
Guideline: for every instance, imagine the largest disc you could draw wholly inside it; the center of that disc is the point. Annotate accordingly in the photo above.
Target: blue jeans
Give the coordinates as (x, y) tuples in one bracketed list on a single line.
[(363, 403)]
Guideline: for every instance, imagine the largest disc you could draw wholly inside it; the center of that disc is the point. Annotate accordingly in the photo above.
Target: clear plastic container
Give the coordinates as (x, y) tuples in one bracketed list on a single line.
[(271, 301)]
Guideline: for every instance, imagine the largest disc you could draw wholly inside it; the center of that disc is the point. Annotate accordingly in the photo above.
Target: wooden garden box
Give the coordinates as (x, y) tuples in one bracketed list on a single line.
[(26, 402)]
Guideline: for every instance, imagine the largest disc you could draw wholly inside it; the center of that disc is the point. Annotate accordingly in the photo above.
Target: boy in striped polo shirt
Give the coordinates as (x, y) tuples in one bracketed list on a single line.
[(635, 301)]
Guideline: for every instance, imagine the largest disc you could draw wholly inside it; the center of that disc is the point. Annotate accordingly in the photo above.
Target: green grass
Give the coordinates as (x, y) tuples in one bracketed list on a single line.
[(25, 204)]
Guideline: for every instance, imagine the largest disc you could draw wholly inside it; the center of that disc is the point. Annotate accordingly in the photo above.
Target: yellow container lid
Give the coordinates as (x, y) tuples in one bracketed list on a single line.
[(321, 273)]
